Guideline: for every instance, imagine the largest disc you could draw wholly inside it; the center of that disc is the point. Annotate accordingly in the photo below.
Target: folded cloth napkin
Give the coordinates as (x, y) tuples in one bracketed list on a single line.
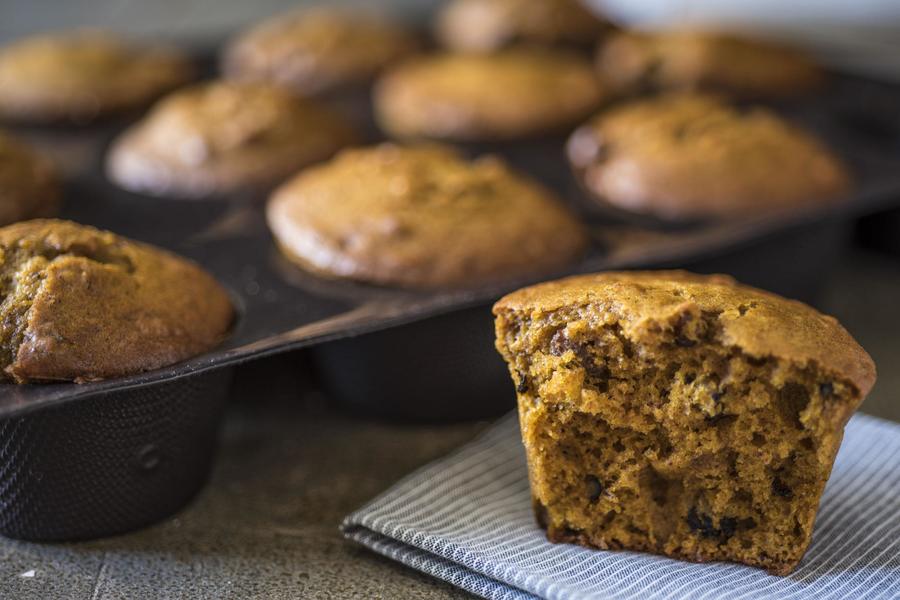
[(467, 519)]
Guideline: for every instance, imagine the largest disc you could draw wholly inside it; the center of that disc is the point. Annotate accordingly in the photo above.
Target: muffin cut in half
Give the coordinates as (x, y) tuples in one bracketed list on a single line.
[(679, 414)]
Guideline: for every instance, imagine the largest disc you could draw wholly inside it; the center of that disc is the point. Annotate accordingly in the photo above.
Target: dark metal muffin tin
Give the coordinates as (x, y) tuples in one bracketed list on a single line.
[(86, 460)]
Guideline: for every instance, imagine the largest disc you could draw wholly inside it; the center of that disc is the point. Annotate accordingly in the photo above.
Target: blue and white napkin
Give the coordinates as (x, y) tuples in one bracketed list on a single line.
[(467, 519)]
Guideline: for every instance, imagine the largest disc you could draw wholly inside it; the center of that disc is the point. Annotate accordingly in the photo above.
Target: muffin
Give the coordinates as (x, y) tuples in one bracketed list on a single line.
[(81, 304), (679, 414), (687, 157), (488, 25), (28, 183), (511, 94), (80, 76), (224, 137), (312, 51), (634, 62), (421, 217)]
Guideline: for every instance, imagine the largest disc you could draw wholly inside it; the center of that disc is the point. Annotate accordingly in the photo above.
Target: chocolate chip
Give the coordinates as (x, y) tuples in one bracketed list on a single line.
[(522, 385), (683, 342), (689, 378), (727, 527), (716, 396), (598, 373), (594, 488), (826, 389), (781, 489), (570, 533), (721, 418), (702, 524), (757, 361)]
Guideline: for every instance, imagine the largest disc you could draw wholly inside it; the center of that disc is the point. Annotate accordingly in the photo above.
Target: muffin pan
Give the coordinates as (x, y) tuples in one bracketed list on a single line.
[(124, 452)]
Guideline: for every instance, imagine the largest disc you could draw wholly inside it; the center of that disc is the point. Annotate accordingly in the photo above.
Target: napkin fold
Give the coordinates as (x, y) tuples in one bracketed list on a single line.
[(467, 519)]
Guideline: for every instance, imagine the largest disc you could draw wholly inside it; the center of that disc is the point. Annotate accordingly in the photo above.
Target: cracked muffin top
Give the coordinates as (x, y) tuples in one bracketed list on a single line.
[(759, 323), (80, 304), (224, 136), (318, 50), (510, 94), (79, 76), (488, 25), (421, 216), (633, 62), (685, 156), (28, 183)]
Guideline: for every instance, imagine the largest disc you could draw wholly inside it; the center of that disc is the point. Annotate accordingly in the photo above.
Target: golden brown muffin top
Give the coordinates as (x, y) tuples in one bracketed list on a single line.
[(316, 50), (29, 185), (82, 75), (509, 94), (488, 25), (224, 134), (421, 216), (693, 156), (207, 122), (758, 323), (694, 60), (80, 304)]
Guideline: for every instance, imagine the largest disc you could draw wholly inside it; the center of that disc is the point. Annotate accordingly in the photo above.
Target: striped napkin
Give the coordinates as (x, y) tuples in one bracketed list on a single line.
[(467, 519)]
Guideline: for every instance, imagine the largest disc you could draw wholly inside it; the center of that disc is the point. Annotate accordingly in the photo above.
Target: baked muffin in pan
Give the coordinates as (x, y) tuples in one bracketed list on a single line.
[(511, 94), (29, 185), (316, 50), (80, 304), (423, 217), (489, 25), (223, 137), (679, 414), (685, 157), (634, 62), (84, 75)]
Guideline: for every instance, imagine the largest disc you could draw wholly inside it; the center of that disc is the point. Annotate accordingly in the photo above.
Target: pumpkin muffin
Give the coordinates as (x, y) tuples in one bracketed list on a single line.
[(80, 76), (28, 183), (633, 62), (224, 137), (687, 157), (422, 217), (79, 304), (679, 414), (488, 25), (318, 50), (511, 94)]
